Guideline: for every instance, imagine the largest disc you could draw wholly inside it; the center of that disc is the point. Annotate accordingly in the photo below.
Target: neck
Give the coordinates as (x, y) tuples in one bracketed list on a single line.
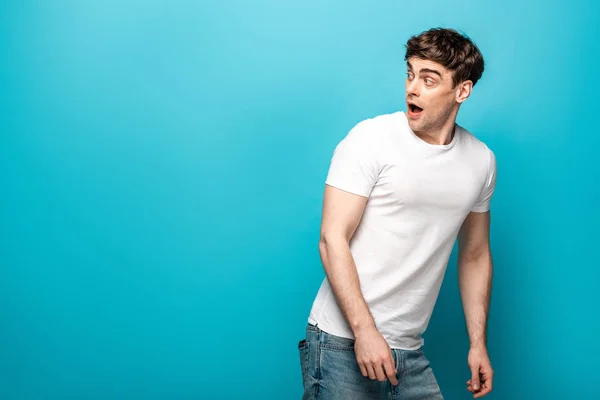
[(441, 135)]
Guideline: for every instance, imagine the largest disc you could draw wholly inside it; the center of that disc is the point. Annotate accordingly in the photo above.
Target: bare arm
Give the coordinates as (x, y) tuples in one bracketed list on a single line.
[(342, 212), (475, 275), (475, 271)]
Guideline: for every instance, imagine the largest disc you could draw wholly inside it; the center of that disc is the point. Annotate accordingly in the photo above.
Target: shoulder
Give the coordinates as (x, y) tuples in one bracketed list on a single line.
[(476, 150), (366, 141), (374, 131), (381, 122)]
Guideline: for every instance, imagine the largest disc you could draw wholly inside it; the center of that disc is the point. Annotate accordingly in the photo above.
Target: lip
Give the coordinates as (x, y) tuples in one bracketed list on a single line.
[(413, 103), (412, 114)]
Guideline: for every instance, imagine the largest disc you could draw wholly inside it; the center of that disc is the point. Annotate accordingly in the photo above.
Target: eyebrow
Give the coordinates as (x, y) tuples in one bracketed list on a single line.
[(432, 71)]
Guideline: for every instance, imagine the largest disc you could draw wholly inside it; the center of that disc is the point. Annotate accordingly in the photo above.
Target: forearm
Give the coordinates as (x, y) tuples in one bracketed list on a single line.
[(475, 282), (343, 278)]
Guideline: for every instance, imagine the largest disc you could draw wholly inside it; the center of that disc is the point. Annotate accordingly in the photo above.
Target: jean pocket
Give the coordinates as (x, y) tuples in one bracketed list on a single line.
[(303, 347)]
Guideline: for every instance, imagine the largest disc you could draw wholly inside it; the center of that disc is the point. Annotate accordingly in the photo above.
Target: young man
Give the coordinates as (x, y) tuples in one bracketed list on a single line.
[(401, 189)]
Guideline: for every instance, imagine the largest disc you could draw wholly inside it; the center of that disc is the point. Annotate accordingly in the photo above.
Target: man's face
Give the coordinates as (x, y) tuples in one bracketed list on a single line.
[(431, 96)]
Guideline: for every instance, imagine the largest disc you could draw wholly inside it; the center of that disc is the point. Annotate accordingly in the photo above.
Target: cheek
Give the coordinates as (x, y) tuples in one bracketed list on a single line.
[(431, 99), (439, 104)]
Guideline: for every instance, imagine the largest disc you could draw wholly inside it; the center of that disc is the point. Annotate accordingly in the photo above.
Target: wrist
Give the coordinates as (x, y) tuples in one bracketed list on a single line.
[(363, 328), (478, 345)]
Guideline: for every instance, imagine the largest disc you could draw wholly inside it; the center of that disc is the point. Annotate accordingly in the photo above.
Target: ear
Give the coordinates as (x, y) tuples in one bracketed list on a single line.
[(463, 91)]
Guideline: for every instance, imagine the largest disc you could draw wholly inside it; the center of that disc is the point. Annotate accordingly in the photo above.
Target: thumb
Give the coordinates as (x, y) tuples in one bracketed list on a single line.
[(475, 376)]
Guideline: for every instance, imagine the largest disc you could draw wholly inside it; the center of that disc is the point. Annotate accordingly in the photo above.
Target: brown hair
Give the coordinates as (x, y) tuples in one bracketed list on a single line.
[(449, 48)]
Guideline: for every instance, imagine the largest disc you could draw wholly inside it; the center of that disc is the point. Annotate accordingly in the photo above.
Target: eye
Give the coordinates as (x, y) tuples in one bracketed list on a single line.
[(429, 81), (409, 75)]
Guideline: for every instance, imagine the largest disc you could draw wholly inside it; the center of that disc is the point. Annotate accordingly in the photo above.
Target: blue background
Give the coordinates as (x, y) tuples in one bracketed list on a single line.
[(162, 169)]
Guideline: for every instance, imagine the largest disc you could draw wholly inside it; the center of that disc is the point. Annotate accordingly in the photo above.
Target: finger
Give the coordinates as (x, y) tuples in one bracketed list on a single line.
[(485, 374), (485, 389), (371, 371), (486, 381), (390, 371), (363, 370), (379, 372), (475, 377), (470, 388)]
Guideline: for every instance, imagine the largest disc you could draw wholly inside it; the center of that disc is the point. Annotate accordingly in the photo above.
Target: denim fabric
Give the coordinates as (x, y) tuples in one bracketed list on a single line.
[(330, 372)]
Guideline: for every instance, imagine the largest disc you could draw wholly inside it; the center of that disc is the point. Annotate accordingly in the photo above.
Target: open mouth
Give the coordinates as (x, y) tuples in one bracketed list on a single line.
[(414, 109)]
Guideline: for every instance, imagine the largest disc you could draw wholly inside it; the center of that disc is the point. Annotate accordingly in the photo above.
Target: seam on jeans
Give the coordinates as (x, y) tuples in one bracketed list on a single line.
[(305, 355), (394, 389), (330, 346), (318, 364)]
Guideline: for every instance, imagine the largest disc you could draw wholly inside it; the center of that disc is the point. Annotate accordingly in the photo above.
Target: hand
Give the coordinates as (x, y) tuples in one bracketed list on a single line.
[(374, 356), (480, 383)]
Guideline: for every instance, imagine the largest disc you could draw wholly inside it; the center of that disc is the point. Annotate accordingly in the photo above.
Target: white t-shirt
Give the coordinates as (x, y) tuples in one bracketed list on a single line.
[(419, 195)]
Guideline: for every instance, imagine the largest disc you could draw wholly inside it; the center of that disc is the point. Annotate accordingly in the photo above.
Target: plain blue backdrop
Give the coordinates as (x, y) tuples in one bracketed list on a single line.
[(162, 169)]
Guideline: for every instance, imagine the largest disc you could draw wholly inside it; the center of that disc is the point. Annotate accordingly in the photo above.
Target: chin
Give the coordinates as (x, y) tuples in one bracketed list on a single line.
[(415, 126)]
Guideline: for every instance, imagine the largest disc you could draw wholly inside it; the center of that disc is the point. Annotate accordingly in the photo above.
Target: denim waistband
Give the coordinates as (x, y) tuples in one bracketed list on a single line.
[(315, 333)]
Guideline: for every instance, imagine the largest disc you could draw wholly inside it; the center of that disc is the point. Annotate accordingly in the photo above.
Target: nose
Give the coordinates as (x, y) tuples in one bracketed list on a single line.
[(412, 87)]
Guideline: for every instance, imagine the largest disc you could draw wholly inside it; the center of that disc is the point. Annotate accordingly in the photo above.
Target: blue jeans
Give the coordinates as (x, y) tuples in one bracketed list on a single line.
[(330, 372)]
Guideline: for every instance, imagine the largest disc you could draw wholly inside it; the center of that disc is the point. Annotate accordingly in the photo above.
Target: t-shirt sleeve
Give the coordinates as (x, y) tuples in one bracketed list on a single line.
[(354, 166), (484, 202)]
